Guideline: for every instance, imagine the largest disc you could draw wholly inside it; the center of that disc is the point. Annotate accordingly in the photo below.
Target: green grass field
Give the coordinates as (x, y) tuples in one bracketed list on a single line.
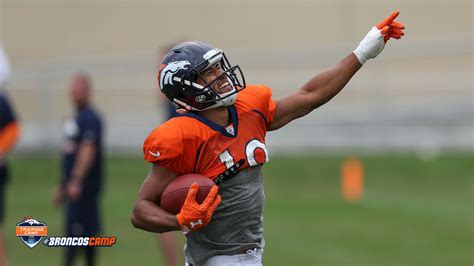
[(414, 212)]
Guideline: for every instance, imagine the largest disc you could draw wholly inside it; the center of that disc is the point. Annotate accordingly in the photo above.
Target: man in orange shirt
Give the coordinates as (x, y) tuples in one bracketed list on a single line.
[(221, 134)]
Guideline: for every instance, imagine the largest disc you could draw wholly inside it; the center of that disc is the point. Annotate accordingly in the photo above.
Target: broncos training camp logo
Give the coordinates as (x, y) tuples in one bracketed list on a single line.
[(31, 231), (167, 71)]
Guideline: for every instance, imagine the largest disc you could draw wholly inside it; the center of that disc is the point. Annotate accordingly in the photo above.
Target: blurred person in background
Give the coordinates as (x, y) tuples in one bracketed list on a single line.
[(81, 184), (221, 135), (9, 133)]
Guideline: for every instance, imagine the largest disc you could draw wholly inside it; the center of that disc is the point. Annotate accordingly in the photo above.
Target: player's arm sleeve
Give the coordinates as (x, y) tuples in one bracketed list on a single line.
[(168, 150)]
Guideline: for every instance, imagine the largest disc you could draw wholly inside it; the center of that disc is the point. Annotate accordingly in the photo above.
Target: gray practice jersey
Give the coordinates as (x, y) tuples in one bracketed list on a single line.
[(237, 223)]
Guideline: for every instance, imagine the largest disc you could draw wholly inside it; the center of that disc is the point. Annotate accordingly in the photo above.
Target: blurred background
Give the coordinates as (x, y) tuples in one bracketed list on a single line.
[(407, 117)]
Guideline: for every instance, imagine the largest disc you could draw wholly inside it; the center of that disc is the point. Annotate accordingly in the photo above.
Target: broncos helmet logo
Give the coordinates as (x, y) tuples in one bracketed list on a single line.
[(167, 73)]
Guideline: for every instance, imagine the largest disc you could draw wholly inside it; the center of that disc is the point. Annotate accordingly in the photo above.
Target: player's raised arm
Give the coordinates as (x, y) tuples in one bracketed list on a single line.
[(324, 86)]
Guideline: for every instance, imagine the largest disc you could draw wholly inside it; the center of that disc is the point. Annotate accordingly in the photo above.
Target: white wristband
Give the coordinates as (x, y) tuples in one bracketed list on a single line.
[(360, 57), (370, 46)]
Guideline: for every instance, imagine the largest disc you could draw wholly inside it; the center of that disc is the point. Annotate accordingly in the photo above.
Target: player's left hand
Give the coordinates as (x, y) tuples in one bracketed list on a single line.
[(374, 42), (73, 190), (194, 216)]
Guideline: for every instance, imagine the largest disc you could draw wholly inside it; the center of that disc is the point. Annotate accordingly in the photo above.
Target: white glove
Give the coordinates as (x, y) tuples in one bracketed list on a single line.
[(371, 46), (374, 42)]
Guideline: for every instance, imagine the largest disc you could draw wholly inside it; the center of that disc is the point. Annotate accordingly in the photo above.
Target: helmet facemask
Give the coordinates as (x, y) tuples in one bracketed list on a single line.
[(204, 95)]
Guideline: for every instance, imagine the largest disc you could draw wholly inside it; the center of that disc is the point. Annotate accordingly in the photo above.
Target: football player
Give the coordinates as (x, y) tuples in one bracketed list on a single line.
[(221, 134)]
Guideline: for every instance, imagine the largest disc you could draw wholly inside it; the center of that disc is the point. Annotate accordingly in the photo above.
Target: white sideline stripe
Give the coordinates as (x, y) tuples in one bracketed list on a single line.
[(442, 208)]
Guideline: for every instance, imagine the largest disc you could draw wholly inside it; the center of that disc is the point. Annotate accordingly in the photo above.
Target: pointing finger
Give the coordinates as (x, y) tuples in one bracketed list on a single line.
[(388, 20)]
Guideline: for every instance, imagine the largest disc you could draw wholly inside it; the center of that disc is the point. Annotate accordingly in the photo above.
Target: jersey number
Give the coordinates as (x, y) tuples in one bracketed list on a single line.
[(227, 159)]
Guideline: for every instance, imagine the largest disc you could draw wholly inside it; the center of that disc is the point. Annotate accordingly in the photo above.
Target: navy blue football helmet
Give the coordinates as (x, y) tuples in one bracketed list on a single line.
[(183, 65)]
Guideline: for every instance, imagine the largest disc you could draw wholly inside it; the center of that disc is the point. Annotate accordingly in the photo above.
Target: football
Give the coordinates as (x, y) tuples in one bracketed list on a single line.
[(172, 198)]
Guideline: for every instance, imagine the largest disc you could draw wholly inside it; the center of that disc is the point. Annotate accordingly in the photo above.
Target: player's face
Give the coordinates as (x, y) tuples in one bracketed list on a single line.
[(222, 85)]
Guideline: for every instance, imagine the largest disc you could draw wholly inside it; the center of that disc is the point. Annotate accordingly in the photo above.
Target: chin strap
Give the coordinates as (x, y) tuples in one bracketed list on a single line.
[(229, 100)]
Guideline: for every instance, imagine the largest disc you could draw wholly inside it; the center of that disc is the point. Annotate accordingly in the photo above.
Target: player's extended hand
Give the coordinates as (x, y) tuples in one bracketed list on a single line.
[(391, 28), (194, 216), (374, 42)]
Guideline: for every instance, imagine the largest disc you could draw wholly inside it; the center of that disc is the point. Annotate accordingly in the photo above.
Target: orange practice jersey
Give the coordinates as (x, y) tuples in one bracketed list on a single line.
[(193, 144)]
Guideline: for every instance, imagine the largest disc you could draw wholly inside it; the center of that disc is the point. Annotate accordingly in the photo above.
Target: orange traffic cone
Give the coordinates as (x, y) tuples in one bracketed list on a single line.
[(352, 186)]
